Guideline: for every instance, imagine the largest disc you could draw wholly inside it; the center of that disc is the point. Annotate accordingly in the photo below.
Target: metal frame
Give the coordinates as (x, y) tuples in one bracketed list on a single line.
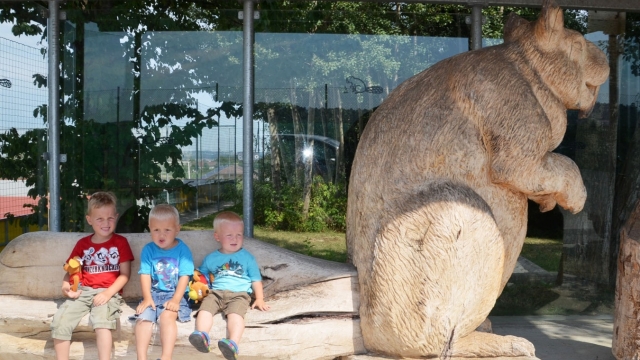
[(53, 115), (248, 35), (602, 5)]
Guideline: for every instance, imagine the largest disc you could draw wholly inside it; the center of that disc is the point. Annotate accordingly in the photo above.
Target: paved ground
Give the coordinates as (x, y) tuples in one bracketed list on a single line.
[(555, 337)]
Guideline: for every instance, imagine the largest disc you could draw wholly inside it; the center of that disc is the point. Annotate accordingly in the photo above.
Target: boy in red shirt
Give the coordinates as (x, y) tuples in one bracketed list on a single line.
[(106, 266)]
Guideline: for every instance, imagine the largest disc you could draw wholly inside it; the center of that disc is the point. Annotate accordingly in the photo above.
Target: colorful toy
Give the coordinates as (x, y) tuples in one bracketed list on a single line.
[(73, 267), (198, 288)]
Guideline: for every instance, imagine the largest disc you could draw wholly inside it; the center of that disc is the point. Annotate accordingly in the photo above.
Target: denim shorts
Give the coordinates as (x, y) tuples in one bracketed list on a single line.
[(159, 298)]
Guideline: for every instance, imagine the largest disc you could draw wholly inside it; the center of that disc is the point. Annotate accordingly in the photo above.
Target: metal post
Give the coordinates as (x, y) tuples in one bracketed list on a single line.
[(53, 115), (235, 156), (197, 177), (247, 117), (118, 135), (219, 167), (476, 27)]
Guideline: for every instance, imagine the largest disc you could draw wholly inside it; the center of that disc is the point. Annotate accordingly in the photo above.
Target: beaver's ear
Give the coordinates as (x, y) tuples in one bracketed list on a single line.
[(513, 27), (550, 25)]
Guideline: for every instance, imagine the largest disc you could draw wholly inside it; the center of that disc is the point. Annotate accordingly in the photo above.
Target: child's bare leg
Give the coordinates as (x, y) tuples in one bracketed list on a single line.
[(62, 348), (143, 338), (235, 327), (104, 341), (168, 333), (204, 321)]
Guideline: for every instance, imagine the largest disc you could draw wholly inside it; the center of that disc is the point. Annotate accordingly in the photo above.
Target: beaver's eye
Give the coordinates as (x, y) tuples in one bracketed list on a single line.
[(576, 49)]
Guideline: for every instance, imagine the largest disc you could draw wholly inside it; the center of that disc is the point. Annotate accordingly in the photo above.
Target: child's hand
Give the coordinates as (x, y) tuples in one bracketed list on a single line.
[(172, 305), (260, 305), (144, 304), (72, 294), (100, 299)]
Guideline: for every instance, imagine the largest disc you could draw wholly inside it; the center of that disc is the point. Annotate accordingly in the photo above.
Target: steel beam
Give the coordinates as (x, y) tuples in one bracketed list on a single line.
[(53, 115), (247, 116)]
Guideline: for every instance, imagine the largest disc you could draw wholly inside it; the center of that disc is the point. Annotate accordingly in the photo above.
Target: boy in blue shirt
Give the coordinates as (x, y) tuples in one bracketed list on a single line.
[(166, 265), (235, 275)]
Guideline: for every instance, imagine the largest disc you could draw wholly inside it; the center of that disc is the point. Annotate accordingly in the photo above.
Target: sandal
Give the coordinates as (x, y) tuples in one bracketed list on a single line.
[(200, 340), (228, 348)]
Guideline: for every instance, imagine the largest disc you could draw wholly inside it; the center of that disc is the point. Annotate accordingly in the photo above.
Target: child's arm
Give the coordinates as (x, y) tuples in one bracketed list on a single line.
[(145, 284), (66, 288), (103, 297), (259, 302), (174, 303)]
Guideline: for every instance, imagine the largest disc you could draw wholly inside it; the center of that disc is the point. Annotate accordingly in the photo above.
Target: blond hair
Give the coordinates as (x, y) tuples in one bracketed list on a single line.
[(100, 199), (225, 216), (164, 212)]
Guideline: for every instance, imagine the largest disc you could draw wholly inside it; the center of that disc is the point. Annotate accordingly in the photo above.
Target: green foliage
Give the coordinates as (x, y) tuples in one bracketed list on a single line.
[(523, 299), (632, 43), (105, 152), (283, 210)]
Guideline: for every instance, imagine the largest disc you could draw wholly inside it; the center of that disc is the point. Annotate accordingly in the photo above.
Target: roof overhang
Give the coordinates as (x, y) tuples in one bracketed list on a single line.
[(603, 5)]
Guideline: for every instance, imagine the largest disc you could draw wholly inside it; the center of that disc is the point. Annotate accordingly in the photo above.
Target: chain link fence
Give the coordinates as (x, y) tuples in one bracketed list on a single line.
[(20, 67)]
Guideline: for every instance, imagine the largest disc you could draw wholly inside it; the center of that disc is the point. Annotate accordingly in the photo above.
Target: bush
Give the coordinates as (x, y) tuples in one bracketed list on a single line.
[(283, 210)]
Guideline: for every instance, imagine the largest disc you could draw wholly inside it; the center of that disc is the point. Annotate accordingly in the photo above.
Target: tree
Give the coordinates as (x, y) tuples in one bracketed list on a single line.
[(106, 152)]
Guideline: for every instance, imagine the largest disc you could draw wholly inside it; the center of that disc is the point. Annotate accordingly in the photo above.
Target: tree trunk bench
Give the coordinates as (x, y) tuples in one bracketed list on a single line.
[(314, 303)]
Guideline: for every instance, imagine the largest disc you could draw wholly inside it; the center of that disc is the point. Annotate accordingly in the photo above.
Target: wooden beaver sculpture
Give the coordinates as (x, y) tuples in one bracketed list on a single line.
[(437, 209)]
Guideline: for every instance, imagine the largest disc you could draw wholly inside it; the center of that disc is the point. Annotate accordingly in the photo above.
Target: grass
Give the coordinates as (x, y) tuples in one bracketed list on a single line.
[(325, 245), (545, 253), (524, 299)]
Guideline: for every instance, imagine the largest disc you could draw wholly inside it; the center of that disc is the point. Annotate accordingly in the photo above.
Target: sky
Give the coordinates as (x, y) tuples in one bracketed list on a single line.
[(19, 60)]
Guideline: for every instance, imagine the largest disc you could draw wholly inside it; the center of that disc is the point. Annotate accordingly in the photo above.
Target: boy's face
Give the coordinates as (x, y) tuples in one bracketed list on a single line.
[(103, 221), (164, 232), (230, 235)]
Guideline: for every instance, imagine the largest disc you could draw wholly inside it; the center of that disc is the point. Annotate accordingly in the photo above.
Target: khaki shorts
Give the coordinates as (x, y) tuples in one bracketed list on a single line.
[(227, 302), (72, 311)]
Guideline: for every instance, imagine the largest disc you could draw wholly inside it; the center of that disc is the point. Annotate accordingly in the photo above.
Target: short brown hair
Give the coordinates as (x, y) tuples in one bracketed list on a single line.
[(224, 217), (165, 212), (100, 199)]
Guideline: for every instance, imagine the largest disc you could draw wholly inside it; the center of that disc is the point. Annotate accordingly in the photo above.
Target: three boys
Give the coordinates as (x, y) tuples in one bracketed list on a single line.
[(165, 269)]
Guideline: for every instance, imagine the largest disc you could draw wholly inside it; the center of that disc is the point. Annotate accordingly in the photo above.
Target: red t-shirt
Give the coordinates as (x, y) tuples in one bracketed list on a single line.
[(101, 262)]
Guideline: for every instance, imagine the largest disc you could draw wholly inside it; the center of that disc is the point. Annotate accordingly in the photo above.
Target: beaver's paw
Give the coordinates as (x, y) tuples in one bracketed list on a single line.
[(574, 199), (546, 202), (484, 345)]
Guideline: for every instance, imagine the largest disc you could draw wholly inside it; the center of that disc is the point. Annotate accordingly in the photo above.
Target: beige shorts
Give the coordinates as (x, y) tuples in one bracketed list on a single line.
[(227, 302), (72, 311)]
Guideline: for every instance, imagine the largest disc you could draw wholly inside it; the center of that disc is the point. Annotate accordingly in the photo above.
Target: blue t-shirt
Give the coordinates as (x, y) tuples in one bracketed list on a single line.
[(166, 266), (233, 272)]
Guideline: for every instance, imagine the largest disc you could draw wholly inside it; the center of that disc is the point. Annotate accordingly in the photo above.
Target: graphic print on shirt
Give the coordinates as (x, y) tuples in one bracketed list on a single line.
[(114, 255), (232, 268), (101, 260), (166, 274)]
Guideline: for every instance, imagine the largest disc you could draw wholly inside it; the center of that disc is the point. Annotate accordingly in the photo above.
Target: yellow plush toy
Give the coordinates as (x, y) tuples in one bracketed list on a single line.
[(73, 267), (198, 288)]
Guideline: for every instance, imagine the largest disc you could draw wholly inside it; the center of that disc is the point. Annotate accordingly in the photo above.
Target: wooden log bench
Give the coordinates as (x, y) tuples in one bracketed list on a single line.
[(314, 303)]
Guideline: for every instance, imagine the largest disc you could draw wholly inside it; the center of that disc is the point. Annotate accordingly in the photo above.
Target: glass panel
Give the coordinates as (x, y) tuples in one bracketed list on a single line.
[(23, 133), (314, 94), (152, 111)]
